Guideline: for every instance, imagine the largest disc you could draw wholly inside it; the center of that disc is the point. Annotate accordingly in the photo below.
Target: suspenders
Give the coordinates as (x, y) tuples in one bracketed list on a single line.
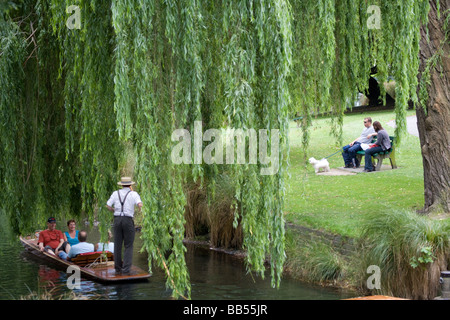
[(122, 202)]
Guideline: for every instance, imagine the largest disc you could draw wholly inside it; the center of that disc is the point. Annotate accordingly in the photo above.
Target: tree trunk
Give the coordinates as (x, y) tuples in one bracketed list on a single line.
[(433, 119)]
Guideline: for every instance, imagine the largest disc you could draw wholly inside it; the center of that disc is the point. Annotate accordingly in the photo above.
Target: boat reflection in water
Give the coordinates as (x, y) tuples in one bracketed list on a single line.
[(213, 276)]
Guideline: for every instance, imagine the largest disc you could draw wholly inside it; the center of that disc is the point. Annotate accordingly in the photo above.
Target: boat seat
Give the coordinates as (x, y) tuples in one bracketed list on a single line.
[(87, 258)]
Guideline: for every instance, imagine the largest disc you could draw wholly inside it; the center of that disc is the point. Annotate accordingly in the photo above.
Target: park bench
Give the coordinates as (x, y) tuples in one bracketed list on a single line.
[(379, 157)]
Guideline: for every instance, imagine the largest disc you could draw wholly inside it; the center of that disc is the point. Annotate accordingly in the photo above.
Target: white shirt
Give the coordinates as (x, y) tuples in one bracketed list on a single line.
[(81, 247), (131, 201), (106, 246), (365, 133)]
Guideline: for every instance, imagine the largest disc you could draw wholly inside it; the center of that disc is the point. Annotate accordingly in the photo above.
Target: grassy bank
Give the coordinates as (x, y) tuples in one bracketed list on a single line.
[(337, 203), (359, 209), (377, 210)]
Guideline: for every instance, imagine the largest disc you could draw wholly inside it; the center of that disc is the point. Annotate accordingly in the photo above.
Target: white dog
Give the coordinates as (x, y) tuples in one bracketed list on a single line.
[(320, 164)]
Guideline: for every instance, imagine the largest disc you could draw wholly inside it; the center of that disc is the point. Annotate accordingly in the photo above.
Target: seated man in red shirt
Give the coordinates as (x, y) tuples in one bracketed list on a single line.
[(50, 240)]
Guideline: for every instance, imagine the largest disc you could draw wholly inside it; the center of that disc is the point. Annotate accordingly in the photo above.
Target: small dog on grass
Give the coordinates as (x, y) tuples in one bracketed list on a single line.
[(320, 164)]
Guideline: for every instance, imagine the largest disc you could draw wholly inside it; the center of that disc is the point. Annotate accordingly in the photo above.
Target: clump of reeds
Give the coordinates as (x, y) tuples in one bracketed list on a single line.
[(409, 249), (314, 261), (197, 211), (213, 215)]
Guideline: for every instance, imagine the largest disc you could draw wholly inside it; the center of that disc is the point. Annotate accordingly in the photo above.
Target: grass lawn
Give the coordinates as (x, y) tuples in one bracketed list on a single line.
[(337, 203)]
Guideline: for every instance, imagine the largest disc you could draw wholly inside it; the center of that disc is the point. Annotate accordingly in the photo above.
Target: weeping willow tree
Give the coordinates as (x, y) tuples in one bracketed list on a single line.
[(80, 80), (38, 178), (220, 64), (133, 72), (433, 115)]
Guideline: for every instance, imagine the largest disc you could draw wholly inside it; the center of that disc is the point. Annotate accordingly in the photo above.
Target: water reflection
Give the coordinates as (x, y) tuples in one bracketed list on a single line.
[(213, 275)]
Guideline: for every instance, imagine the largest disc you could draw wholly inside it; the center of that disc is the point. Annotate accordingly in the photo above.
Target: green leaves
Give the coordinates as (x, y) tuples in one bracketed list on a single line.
[(73, 100), (426, 256), (225, 65)]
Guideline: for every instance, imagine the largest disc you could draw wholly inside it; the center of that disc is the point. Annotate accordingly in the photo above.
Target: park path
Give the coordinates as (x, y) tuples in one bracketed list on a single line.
[(411, 125)]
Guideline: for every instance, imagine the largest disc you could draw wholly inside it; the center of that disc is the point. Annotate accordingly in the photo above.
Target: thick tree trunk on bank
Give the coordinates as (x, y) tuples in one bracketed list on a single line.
[(434, 124)]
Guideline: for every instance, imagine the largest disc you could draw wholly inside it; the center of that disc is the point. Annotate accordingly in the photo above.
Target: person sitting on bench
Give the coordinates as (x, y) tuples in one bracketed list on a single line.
[(350, 150), (81, 247), (383, 143), (108, 246)]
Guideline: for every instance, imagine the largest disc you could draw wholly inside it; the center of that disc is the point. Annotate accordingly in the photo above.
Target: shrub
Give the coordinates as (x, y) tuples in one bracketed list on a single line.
[(410, 250), (313, 261)]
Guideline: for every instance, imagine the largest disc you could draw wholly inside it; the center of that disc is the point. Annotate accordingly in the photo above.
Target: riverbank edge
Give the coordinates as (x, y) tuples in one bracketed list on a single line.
[(343, 245)]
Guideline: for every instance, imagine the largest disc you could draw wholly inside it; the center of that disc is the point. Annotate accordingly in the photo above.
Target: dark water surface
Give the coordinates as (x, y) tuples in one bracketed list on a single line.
[(214, 276)]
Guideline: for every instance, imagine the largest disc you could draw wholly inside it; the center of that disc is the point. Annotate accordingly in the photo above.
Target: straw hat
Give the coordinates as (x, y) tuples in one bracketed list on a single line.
[(125, 181)]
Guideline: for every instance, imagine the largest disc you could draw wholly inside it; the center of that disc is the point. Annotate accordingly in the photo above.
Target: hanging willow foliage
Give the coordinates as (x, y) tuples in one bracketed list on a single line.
[(86, 67), (37, 178), (71, 100), (336, 47), (243, 50)]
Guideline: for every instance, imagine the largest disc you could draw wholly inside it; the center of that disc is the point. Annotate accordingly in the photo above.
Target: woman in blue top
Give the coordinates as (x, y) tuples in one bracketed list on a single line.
[(71, 236)]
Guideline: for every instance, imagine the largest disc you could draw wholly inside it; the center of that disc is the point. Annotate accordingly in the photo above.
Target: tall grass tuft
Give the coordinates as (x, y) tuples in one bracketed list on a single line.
[(213, 217), (314, 261), (409, 249)]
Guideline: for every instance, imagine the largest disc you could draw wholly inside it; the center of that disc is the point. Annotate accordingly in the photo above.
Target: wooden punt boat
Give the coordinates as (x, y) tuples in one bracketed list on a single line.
[(91, 265)]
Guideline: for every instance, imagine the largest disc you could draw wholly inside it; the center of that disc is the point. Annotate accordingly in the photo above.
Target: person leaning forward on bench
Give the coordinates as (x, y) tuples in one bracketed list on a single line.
[(350, 150), (122, 203), (80, 247), (383, 143)]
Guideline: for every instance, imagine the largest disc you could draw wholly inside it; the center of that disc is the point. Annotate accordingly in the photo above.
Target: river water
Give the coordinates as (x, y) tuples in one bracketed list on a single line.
[(213, 275)]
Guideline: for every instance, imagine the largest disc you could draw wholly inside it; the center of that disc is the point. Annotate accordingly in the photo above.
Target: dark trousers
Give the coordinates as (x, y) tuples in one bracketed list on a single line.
[(349, 154), (123, 234), (368, 157)]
